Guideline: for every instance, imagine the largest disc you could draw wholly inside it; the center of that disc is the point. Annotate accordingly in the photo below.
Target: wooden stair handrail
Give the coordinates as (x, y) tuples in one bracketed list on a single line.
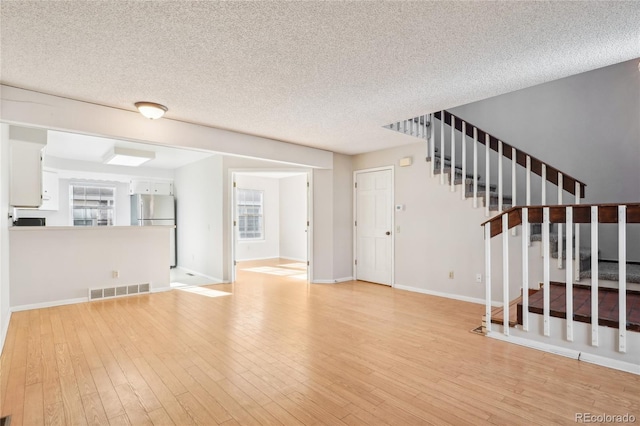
[(568, 182), (607, 213)]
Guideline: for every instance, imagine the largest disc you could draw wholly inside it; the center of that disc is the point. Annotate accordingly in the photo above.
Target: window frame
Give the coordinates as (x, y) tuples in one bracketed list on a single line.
[(242, 201), (110, 206)]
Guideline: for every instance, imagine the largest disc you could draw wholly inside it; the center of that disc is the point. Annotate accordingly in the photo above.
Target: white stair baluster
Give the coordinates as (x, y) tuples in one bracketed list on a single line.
[(576, 273), (463, 192), (560, 242), (546, 282), (505, 273), (487, 170), (432, 132), (441, 147), (594, 276), (569, 273), (513, 184), (487, 275), (528, 201), (544, 184), (525, 269), (500, 192), (622, 279), (452, 173), (475, 168)]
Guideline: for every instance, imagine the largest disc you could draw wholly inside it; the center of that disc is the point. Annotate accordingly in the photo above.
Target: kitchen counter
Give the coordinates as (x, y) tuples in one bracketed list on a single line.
[(85, 228)]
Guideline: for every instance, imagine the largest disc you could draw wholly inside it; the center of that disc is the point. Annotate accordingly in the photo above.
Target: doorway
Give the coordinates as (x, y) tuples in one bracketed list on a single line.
[(270, 223), (373, 223)]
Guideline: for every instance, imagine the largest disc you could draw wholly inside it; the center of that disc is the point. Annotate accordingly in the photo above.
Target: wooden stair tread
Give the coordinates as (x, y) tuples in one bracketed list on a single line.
[(497, 313)]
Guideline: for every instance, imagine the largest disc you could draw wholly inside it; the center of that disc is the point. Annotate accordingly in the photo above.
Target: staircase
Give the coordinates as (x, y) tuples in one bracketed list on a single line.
[(488, 169)]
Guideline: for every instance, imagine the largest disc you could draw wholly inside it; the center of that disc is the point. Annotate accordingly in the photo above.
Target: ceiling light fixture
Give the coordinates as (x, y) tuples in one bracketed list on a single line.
[(151, 110), (128, 157)]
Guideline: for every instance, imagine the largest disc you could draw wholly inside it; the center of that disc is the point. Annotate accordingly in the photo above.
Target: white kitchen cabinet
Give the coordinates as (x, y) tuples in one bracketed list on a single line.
[(25, 174), (147, 187), (50, 191)]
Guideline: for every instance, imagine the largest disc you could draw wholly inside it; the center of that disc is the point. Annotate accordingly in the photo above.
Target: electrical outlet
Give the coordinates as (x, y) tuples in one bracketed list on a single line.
[(478, 278), (450, 275), (115, 274)]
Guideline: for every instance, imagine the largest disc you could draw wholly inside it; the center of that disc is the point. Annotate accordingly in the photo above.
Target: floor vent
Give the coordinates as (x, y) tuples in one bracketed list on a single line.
[(110, 292)]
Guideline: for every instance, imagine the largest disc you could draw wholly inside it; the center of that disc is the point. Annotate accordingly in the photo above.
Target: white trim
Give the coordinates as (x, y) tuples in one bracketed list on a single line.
[(393, 220), (292, 258), (476, 300), (199, 274), (49, 304), (569, 353), (258, 258), (336, 281), (4, 331), (162, 289)]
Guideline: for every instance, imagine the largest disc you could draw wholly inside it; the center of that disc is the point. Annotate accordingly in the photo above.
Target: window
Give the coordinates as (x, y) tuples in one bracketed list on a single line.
[(92, 205), (250, 214)]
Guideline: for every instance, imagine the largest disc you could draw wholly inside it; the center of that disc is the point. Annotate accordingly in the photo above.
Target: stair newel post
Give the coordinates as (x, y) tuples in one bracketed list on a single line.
[(475, 168), (622, 278), (487, 275), (594, 276), (576, 274), (452, 167), (500, 191), (546, 269), (569, 273), (544, 184), (463, 178), (560, 242), (505, 273), (487, 170), (525, 269), (441, 147), (432, 132)]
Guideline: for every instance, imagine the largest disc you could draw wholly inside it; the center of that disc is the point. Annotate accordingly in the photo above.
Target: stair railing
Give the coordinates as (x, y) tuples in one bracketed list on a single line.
[(593, 214), (424, 128)]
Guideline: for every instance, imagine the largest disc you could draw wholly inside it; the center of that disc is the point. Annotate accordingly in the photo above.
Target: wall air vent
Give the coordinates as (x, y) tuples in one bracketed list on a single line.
[(120, 291)]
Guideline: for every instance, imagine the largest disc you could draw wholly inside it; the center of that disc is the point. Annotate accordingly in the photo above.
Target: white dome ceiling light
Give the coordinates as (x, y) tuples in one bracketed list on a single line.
[(151, 110)]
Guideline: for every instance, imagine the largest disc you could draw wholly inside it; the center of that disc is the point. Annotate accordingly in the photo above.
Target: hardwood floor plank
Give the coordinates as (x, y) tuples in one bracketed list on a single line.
[(134, 409), (34, 403), (54, 414), (195, 410), (94, 410), (108, 395), (159, 417)]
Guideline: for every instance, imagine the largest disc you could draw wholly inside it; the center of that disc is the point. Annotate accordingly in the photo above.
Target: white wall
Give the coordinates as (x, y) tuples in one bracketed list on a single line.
[(293, 217), (269, 246), (438, 232), (342, 217), (587, 125), (52, 265), (4, 234), (198, 191)]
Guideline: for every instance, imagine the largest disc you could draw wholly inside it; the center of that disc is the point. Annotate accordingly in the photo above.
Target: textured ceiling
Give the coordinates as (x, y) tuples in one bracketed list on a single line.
[(322, 74)]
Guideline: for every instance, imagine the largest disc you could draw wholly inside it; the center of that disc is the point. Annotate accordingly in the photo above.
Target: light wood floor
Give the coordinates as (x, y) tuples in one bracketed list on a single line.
[(276, 350)]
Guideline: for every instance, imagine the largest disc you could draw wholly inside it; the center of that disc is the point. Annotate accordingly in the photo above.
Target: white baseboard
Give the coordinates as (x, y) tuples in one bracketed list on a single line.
[(295, 259), (446, 295), (336, 281), (199, 274), (569, 353), (4, 331), (49, 304), (258, 258), (160, 289)]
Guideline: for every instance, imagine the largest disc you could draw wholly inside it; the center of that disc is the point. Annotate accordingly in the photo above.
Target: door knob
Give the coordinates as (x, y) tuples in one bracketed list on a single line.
[(388, 233)]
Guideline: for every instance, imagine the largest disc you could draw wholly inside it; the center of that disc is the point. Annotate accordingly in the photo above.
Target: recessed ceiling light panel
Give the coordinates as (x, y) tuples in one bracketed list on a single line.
[(128, 157), (151, 110)]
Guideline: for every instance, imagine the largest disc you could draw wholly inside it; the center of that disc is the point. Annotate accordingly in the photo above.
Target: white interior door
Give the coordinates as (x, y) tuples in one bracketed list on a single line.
[(374, 239)]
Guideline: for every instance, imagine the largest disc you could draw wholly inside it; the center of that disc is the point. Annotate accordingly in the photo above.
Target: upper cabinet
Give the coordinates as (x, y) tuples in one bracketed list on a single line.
[(150, 187), (50, 190), (25, 152)]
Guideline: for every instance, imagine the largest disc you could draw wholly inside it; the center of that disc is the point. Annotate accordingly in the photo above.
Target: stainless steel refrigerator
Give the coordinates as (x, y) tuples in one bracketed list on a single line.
[(148, 210)]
